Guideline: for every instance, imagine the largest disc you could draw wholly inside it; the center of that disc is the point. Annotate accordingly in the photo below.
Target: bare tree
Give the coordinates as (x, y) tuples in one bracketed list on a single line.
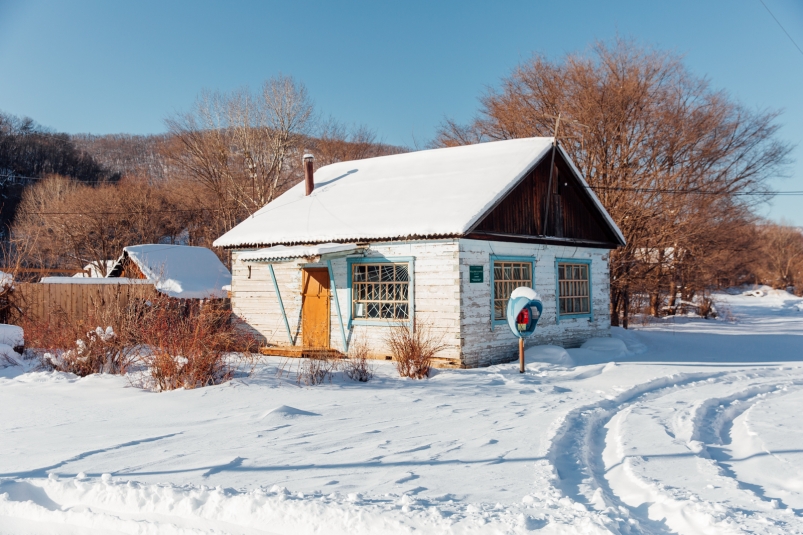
[(238, 146), (66, 223), (781, 248), (670, 158)]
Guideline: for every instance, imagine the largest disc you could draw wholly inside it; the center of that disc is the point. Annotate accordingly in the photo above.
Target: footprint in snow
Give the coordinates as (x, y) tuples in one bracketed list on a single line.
[(407, 477), (286, 412)]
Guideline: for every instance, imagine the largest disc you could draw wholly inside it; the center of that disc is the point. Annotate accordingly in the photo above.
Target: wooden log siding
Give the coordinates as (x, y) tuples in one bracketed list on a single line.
[(458, 310), (483, 345), (572, 214), (436, 296)]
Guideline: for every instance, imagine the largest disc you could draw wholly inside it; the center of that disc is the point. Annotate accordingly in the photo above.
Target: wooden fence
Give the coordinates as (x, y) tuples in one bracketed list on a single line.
[(39, 301)]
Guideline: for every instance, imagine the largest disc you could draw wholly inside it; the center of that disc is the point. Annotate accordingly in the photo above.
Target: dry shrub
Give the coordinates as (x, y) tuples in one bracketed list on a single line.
[(180, 344), (317, 368), (706, 308), (358, 367), (82, 347), (191, 344), (413, 349)]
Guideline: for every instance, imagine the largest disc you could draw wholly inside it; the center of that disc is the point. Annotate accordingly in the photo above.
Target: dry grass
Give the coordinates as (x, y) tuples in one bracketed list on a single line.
[(358, 367), (79, 347), (413, 349), (317, 368), (705, 307)]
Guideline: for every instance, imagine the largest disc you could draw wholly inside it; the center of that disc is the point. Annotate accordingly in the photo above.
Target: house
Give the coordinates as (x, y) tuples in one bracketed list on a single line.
[(441, 235), (179, 271)]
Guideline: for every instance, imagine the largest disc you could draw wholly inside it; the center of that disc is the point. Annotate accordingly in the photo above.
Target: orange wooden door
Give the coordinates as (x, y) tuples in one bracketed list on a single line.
[(315, 308)]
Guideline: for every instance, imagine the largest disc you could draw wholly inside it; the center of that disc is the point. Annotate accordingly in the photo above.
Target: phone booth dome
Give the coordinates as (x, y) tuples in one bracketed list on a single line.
[(524, 309)]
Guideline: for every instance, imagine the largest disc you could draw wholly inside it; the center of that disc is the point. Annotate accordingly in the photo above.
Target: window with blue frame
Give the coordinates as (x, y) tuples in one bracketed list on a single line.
[(507, 274), (574, 288), (380, 291)]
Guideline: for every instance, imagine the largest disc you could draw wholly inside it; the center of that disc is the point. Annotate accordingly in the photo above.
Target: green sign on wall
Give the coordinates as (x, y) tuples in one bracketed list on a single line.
[(474, 273)]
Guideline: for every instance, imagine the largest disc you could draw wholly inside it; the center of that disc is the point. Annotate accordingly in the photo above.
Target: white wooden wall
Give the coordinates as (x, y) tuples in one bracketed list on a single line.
[(482, 345), (457, 310), (437, 292), (437, 295), (254, 300)]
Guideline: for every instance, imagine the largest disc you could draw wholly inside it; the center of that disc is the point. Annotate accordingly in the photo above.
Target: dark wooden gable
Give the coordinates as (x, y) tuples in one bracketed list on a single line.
[(573, 215), (127, 269)]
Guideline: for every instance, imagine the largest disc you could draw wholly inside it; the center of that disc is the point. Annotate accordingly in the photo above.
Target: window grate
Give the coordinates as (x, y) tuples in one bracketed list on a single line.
[(573, 288), (380, 291), (507, 277)]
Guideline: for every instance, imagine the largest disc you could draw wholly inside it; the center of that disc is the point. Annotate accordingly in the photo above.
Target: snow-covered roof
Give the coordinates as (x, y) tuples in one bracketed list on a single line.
[(91, 270), (180, 270), (424, 194), (283, 252)]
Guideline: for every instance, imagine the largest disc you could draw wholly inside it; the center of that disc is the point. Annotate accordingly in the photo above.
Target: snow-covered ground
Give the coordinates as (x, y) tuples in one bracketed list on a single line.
[(683, 426)]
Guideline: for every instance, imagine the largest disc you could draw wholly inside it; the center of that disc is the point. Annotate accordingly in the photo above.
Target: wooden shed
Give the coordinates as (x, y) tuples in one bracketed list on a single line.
[(442, 235)]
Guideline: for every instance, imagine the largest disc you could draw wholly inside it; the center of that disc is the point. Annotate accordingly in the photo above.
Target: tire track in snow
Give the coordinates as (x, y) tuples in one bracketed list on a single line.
[(576, 453), (713, 423), (684, 511), (43, 471)]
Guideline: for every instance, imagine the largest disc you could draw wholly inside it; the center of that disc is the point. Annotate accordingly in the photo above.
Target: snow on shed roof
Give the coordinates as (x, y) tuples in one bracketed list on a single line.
[(180, 270), (424, 194)]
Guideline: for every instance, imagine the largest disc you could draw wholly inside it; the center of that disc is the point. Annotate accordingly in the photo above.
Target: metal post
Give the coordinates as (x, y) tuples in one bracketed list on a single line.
[(521, 355), (337, 306), (281, 305)]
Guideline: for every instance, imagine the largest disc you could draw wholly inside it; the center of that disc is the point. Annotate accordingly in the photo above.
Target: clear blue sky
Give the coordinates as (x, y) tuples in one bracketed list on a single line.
[(399, 68)]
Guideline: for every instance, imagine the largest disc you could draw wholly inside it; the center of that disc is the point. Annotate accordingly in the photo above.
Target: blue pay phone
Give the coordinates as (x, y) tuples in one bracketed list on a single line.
[(523, 311)]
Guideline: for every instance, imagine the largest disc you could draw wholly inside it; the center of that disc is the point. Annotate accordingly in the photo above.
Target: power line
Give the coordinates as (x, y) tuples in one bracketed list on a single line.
[(143, 212), (12, 175), (693, 192), (781, 26), (607, 188)]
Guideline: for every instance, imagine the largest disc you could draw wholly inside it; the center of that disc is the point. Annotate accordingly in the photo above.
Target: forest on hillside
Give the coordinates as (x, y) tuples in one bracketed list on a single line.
[(681, 167), (73, 200)]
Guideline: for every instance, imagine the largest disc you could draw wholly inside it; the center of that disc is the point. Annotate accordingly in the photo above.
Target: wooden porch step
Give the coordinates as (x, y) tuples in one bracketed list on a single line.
[(306, 352), (299, 352)]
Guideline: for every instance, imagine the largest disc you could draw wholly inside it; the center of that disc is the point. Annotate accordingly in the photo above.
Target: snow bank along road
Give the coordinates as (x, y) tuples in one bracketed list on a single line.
[(686, 426)]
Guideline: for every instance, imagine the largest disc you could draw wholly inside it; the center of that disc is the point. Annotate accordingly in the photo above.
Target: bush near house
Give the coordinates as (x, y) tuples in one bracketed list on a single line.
[(176, 344), (413, 349)]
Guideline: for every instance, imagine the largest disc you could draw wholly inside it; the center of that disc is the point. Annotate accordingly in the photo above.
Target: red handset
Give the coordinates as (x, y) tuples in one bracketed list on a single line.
[(523, 319)]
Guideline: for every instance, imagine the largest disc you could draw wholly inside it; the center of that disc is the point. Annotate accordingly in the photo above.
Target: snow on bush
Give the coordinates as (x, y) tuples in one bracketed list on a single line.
[(69, 346), (12, 335), (177, 344)]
